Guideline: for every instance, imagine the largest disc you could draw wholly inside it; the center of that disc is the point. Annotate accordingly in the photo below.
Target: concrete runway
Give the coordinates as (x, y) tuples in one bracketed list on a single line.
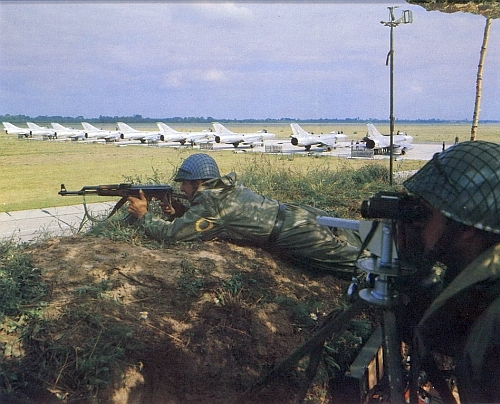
[(31, 225), (35, 224)]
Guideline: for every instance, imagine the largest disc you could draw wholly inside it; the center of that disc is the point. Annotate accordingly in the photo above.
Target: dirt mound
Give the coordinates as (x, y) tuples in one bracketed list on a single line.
[(191, 323)]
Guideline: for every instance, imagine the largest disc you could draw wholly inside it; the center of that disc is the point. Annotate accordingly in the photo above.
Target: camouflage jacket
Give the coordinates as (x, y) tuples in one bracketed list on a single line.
[(224, 210), (463, 322)]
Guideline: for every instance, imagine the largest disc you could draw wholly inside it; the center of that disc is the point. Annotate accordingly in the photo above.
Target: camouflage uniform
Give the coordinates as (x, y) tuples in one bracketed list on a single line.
[(463, 322), (225, 210)]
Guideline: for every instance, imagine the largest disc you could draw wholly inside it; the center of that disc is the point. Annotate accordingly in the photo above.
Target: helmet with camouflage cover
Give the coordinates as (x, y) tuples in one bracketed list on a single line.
[(198, 166), (463, 183)]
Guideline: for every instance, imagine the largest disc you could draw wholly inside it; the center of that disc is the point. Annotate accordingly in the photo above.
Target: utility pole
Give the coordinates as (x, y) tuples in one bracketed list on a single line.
[(406, 18)]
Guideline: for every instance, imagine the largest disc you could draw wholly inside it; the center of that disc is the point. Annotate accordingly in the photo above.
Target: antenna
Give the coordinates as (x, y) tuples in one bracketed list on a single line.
[(406, 18)]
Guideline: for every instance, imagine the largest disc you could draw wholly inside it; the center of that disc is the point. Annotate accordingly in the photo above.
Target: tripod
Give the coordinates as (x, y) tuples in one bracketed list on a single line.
[(384, 267)]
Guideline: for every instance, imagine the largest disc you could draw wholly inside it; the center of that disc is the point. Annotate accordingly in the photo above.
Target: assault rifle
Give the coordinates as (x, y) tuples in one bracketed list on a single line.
[(161, 192)]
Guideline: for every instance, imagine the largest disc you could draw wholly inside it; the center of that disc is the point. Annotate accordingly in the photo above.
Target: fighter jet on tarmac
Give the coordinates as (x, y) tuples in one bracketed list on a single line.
[(381, 143), (129, 133), (224, 135), (172, 135), (302, 138), (11, 129), (36, 130), (64, 132), (91, 132)]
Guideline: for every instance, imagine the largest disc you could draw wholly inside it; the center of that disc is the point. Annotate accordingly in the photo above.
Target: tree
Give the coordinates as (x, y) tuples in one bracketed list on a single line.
[(490, 10), (479, 80)]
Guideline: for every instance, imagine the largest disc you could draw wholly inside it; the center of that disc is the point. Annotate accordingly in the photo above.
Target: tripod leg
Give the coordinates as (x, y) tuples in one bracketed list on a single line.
[(312, 368), (333, 326), (393, 358)]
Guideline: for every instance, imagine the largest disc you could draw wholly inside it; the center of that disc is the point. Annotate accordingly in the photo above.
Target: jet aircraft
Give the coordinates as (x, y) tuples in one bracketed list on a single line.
[(64, 132), (91, 132), (224, 135), (381, 143), (129, 133), (36, 130), (11, 129), (302, 138), (172, 135)]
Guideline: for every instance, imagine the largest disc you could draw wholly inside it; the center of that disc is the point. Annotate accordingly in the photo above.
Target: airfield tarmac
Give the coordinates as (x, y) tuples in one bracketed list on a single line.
[(32, 225), (420, 151)]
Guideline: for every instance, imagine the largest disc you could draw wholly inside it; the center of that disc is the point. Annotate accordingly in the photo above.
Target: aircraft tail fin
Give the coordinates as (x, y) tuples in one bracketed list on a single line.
[(89, 128), (164, 128), (8, 125), (373, 131), (221, 129), (297, 130), (33, 126), (123, 127), (58, 126)]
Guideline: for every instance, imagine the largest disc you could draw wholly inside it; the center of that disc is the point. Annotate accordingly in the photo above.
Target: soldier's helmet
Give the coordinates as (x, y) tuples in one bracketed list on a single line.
[(198, 166), (463, 183)]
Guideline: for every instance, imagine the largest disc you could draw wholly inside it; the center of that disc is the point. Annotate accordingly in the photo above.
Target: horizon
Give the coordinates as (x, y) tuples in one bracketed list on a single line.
[(194, 120)]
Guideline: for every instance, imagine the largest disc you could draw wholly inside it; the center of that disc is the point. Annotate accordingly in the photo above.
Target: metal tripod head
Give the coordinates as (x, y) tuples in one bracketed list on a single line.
[(382, 267)]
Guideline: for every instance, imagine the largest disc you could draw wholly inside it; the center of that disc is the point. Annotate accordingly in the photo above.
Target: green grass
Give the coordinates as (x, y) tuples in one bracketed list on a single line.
[(32, 171)]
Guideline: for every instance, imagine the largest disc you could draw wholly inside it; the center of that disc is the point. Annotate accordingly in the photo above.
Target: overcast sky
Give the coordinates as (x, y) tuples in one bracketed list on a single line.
[(242, 60)]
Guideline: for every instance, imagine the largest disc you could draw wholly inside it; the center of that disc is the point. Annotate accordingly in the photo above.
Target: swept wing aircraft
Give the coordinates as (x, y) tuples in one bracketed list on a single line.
[(129, 133), (11, 129), (36, 130), (172, 135), (381, 143), (224, 135), (91, 132), (302, 138), (64, 132)]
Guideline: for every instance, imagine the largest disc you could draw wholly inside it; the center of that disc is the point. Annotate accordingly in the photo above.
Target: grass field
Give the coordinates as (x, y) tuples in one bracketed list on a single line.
[(32, 171)]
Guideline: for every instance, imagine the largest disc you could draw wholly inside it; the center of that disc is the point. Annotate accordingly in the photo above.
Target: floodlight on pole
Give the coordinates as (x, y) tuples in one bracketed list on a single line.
[(406, 18)]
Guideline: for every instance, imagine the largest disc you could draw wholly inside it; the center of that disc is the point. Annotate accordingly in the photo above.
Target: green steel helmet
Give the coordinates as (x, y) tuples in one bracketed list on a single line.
[(463, 183), (198, 166)]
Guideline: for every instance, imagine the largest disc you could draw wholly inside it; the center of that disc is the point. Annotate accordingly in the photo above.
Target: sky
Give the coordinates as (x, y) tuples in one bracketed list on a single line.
[(242, 60)]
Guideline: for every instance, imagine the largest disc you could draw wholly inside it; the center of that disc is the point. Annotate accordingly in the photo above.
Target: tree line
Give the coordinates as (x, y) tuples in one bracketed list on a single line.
[(208, 120)]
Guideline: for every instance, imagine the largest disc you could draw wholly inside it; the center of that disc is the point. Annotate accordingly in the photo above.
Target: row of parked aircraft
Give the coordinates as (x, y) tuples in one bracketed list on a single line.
[(374, 140), (165, 133)]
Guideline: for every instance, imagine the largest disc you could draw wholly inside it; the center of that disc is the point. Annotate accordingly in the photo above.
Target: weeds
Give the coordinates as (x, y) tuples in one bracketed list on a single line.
[(20, 282), (95, 291), (335, 189), (233, 285), (229, 291), (157, 177), (341, 350), (67, 363), (79, 358), (191, 279)]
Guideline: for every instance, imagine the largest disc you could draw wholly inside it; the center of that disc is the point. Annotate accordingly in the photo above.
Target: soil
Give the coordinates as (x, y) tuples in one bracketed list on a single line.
[(195, 322)]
